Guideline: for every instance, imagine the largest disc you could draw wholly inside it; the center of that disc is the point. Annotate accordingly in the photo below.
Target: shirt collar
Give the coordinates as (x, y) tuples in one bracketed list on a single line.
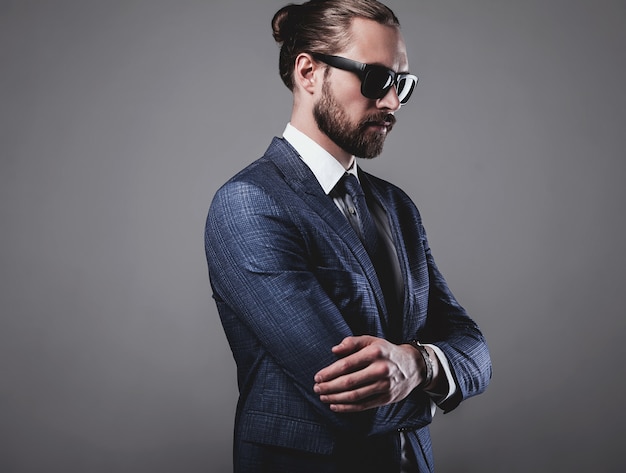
[(327, 170)]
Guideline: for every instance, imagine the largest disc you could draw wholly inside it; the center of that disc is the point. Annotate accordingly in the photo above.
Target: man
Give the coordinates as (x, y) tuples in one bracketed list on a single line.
[(343, 330)]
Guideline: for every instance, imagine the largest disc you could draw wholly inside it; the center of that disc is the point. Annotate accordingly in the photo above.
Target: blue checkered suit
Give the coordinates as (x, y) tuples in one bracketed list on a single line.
[(291, 279)]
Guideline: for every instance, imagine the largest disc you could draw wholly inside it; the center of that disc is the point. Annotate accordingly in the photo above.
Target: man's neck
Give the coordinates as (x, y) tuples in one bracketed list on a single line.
[(313, 132)]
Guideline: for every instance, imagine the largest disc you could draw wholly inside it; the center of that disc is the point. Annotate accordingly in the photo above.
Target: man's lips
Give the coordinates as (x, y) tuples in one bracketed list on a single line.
[(379, 127), (382, 126), (385, 123)]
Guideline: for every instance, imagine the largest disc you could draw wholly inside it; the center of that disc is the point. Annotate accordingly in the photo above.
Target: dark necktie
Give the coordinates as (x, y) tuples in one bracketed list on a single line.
[(360, 217), (363, 223)]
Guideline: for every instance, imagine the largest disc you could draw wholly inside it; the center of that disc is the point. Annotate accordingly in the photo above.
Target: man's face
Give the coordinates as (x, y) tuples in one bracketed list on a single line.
[(355, 123), (361, 139)]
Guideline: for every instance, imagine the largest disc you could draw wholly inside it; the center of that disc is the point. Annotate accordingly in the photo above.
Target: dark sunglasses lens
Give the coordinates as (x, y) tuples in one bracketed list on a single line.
[(376, 83), (405, 87)]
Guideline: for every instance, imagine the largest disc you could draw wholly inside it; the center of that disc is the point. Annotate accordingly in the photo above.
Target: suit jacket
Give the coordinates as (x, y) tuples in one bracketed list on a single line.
[(291, 279)]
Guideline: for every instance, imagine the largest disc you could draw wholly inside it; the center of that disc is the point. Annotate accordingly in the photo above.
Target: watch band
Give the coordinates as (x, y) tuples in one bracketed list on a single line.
[(428, 376)]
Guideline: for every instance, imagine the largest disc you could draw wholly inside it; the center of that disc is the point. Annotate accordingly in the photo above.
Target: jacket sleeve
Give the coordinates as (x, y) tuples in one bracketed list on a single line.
[(450, 328)]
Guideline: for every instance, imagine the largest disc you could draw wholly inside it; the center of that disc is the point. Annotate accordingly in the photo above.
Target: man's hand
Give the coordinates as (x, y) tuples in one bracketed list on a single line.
[(372, 372)]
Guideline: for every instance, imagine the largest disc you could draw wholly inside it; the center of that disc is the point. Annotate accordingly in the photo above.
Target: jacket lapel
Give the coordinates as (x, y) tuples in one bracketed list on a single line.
[(302, 180)]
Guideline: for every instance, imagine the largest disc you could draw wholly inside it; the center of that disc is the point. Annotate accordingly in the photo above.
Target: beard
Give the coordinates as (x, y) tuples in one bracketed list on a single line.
[(357, 139)]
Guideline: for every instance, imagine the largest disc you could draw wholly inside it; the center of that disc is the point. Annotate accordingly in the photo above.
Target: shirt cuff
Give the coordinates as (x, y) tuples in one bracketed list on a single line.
[(443, 363)]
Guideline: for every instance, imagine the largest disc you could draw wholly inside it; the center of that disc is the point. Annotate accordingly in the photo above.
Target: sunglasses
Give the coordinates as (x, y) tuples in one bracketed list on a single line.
[(376, 80)]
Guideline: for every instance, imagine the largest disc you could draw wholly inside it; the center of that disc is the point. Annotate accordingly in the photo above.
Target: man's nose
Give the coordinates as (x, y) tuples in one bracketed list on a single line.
[(390, 100)]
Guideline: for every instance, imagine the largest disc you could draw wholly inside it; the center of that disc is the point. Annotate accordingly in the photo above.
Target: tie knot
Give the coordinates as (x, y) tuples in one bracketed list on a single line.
[(352, 186)]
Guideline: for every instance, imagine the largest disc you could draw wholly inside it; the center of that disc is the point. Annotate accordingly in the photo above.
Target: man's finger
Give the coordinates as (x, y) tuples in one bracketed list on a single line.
[(342, 367), (357, 394), (352, 344), (348, 382), (359, 353), (369, 403)]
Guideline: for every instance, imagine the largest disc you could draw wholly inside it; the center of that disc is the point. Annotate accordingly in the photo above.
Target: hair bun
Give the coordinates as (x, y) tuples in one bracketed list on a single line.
[(282, 23)]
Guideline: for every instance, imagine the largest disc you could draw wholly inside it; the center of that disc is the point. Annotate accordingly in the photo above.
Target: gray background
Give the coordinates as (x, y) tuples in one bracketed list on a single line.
[(119, 120)]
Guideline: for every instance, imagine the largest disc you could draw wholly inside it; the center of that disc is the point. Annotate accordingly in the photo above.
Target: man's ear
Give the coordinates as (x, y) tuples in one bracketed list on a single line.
[(306, 73)]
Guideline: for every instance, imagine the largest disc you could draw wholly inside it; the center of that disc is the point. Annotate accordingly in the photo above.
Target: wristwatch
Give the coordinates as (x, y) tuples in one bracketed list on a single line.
[(428, 376)]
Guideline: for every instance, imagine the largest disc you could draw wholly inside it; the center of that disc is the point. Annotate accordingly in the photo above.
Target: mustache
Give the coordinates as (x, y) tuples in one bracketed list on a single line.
[(380, 119)]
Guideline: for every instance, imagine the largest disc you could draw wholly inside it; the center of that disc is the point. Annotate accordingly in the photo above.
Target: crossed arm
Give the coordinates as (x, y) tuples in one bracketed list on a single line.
[(258, 266)]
